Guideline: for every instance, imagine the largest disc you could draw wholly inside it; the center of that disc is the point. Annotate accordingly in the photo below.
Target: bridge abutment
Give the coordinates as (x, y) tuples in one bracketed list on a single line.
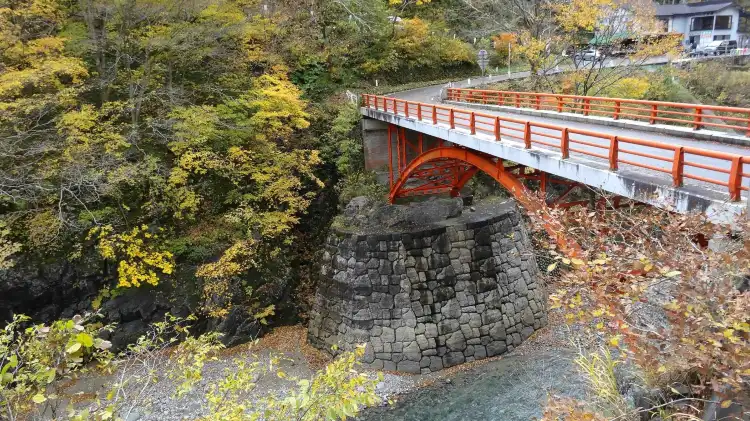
[(431, 298), (375, 145)]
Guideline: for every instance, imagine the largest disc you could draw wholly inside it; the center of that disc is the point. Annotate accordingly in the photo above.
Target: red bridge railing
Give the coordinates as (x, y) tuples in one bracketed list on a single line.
[(697, 116), (681, 162)]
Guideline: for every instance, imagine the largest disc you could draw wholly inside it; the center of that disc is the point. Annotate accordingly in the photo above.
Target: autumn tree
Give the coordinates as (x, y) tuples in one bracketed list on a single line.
[(551, 34), (667, 294), (627, 28), (330, 43), (137, 129)]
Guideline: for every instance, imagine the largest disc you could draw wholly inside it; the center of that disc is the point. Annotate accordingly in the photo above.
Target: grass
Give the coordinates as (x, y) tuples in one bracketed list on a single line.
[(599, 369)]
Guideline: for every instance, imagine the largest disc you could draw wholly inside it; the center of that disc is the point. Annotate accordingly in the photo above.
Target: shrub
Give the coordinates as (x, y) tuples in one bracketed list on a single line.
[(649, 284), (35, 360)]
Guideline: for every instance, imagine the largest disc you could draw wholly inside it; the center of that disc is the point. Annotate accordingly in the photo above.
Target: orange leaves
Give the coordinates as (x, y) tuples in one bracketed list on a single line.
[(650, 259)]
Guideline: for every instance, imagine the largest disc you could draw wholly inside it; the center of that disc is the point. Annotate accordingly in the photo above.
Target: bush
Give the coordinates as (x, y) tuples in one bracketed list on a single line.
[(648, 284), (716, 83), (363, 183), (35, 360)]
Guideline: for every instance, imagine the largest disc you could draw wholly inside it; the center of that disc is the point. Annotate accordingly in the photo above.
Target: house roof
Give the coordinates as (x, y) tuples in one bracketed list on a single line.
[(692, 8)]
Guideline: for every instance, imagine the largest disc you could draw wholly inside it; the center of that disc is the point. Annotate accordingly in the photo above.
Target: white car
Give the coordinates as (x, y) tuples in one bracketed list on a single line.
[(719, 47), (710, 48), (592, 54)]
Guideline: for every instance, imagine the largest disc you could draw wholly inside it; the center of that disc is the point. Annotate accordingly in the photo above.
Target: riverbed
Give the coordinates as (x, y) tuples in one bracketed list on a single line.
[(512, 388)]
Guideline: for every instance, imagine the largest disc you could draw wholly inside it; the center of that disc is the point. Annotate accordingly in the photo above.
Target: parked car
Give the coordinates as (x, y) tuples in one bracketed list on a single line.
[(719, 47), (591, 54)]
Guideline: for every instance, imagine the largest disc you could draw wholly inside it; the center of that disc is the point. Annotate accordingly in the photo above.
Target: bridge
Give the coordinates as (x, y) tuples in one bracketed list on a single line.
[(658, 153)]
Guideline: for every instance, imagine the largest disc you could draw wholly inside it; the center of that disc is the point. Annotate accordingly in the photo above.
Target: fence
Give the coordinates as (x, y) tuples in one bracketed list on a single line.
[(697, 116), (681, 162)]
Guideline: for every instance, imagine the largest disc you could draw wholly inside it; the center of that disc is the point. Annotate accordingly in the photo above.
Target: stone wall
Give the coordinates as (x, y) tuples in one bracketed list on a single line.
[(432, 298)]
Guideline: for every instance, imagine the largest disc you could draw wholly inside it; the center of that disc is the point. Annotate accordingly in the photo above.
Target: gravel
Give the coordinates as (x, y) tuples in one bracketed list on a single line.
[(159, 403), (516, 383)]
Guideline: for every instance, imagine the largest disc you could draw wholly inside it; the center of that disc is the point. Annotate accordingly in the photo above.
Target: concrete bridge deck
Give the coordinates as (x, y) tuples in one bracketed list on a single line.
[(644, 173), (632, 132)]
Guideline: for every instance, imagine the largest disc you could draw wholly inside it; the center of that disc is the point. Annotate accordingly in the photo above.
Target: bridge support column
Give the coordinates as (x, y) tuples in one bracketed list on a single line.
[(375, 145)]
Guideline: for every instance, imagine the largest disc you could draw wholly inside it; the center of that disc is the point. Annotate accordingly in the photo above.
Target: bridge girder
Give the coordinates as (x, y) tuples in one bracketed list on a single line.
[(447, 169)]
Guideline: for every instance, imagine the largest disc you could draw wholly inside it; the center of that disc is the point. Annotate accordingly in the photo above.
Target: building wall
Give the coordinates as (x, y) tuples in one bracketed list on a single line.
[(681, 24)]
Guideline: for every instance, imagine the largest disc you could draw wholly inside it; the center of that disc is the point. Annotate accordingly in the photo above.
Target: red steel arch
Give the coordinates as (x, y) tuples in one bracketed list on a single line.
[(450, 168)]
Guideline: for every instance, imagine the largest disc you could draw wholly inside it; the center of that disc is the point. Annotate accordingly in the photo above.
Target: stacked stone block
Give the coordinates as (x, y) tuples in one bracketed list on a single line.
[(430, 299)]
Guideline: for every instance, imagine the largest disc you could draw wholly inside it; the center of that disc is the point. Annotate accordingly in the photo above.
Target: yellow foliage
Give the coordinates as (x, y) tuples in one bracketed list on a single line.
[(583, 14), (7, 247), (629, 87), (87, 128), (278, 108), (34, 64), (43, 228), (234, 261), (417, 2), (139, 258)]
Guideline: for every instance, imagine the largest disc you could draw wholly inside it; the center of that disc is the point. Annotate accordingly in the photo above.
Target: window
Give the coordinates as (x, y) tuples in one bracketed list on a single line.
[(720, 37), (664, 23), (723, 22), (703, 23)]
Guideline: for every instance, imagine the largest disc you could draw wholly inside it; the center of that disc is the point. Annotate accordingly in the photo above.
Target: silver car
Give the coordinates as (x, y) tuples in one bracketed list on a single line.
[(592, 54)]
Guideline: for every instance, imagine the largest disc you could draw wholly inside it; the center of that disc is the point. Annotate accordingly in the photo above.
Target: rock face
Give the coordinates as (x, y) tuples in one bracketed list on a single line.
[(432, 298)]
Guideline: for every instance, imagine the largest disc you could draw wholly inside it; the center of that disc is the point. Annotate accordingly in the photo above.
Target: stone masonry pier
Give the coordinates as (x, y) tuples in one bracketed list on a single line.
[(455, 291)]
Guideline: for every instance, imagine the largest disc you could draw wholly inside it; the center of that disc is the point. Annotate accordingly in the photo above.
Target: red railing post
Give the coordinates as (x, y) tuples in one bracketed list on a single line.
[(538, 101), (419, 111), (654, 112), (617, 110), (398, 150), (406, 108), (698, 118), (434, 115), (518, 100), (735, 179), (403, 149), (586, 106), (614, 146), (484, 97), (472, 123), (747, 133), (376, 103), (678, 164), (527, 135), (497, 128), (451, 119), (565, 143), (390, 154), (559, 104)]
